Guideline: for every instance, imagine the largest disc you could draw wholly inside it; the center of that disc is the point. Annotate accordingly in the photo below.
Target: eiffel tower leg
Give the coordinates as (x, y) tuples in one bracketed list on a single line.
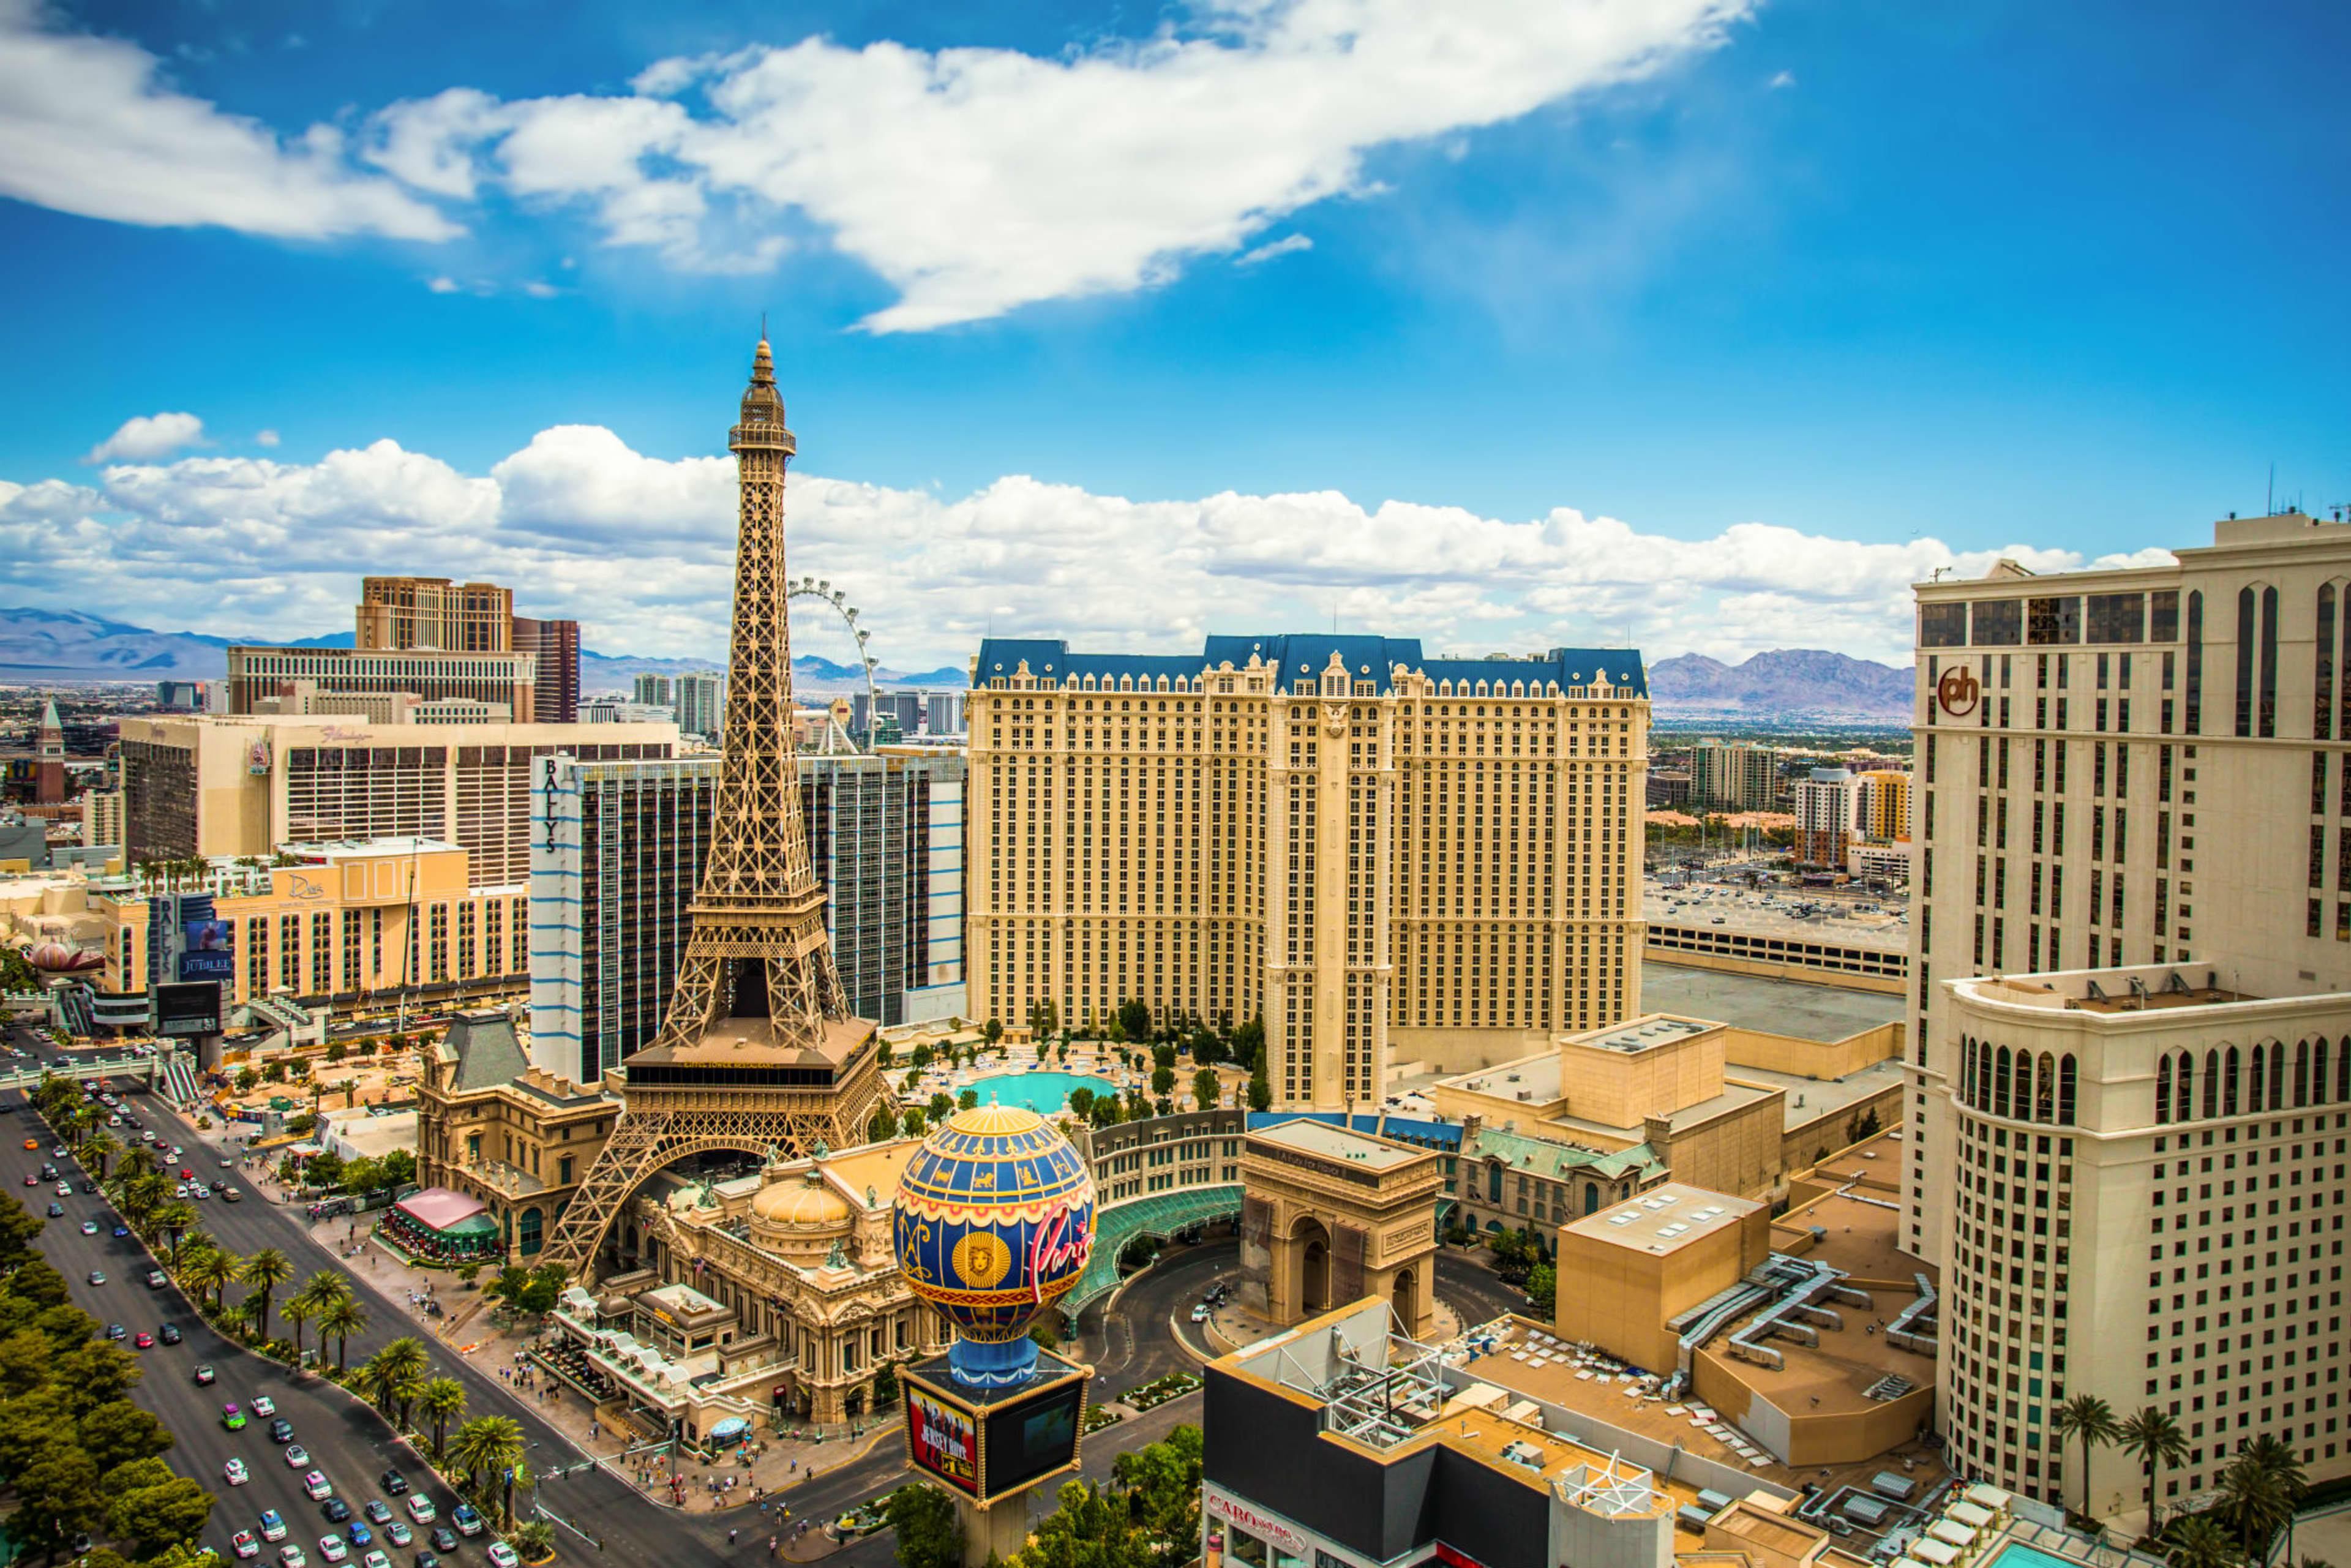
[(628, 1158)]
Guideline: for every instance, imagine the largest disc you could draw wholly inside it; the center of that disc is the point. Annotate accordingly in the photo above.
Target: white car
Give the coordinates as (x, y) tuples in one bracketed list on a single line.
[(317, 1484), (244, 1545), (181, 1190), (264, 1406), (375, 1560), (333, 1547), (1200, 1314), (290, 1556), (421, 1509), (236, 1472), (503, 1556)]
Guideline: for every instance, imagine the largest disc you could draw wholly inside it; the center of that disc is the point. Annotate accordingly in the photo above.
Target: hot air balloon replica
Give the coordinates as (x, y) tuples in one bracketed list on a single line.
[(994, 1223)]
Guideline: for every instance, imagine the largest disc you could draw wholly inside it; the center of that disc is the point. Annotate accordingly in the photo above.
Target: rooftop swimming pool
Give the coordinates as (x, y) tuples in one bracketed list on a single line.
[(1048, 1091)]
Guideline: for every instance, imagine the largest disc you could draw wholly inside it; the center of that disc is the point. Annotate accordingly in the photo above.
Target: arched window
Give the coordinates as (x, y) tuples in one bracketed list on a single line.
[(2267, 713), (2044, 1090), (2343, 1070), (2212, 1083), (2277, 1075), (2065, 1086), (1983, 1077), (1967, 1065), (2228, 1081), (2248, 639), (2301, 1073), (2162, 1089), (2260, 1079), (1590, 1197), (2322, 709), (2020, 1106), (2195, 681), (1999, 1084), (2184, 1101), (2318, 1072)]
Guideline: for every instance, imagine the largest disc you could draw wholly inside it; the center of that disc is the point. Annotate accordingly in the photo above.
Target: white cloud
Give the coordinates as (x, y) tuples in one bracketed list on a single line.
[(1286, 245), (148, 437), (639, 548), (88, 127), (541, 291), (1784, 78), (978, 180), (443, 284), (265, 439)]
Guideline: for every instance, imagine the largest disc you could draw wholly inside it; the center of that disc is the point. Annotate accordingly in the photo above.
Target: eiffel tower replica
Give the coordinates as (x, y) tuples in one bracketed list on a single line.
[(757, 1051)]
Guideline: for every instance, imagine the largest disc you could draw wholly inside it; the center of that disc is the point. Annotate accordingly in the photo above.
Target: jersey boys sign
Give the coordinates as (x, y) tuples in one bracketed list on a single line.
[(943, 1440)]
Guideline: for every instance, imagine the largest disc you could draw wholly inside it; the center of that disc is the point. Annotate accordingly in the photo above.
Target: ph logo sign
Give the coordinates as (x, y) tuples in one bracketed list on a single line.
[(1958, 691)]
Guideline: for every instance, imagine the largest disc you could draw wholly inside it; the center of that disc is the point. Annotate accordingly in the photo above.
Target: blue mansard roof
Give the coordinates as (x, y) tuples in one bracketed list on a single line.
[(1304, 653)]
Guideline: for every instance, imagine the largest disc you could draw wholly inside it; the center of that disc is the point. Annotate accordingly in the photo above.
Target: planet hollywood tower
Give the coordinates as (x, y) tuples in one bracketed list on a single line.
[(757, 1051)]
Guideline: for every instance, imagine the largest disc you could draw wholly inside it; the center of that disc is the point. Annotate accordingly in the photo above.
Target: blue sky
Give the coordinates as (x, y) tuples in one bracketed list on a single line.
[(1774, 309)]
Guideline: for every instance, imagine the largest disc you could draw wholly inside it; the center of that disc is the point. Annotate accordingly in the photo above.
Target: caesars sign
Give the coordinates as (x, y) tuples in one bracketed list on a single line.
[(943, 1440), (1958, 691)]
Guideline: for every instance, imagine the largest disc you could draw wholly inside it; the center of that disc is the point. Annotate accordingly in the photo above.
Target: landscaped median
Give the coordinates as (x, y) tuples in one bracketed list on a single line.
[(1160, 1390)]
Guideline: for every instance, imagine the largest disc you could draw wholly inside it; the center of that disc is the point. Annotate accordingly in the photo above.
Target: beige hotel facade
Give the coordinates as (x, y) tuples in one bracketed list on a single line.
[(2131, 1074), (1392, 858)]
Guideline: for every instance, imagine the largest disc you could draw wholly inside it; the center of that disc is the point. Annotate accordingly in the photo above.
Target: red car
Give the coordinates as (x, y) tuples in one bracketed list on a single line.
[(144, 1341), (186, 1174)]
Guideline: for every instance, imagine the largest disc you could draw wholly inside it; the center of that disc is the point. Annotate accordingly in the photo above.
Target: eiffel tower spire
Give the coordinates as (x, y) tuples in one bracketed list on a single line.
[(758, 1050)]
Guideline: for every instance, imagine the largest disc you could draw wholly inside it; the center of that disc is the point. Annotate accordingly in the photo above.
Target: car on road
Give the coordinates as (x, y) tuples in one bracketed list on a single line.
[(394, 1482), (57, 1210), (290, 1556), (121, 1232), (226, 1163), (376, 1509), (236, 1473), (468, 1521), (232, 1417), (48, 1173), (98, 1276), (336, 1509), (273, 1525), (420, 1509), (244, 1545), (88, 1227), (375, 1560), (32, 1180), (87, 1187), (444, 1539), (264, 1406), (142, 1340), (59, 1152), (114, 1331), (427, 1559), (32, 1143), (185, 1175), (361, 1535), (64, 1189), (155, 1279), (317, 1484), (503, 1556), (296, 1457), (332, 1549), (1200, 1314), (170, 1335), (281, 1430), (399, 1534)]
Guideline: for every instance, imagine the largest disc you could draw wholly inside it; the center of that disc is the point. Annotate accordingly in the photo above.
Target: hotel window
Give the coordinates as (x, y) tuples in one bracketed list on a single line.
[(2195, 694), (2050, 622)]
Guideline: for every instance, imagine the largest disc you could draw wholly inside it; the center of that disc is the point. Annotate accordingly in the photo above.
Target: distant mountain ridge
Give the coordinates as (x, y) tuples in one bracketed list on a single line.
[(1810, 681), (72, 647)]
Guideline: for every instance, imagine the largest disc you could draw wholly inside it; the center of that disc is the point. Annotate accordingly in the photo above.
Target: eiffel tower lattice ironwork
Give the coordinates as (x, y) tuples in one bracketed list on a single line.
[(758, 1050)]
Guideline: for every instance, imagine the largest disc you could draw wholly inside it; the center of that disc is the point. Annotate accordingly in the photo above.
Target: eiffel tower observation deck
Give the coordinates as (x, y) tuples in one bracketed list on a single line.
[(757, 1051)]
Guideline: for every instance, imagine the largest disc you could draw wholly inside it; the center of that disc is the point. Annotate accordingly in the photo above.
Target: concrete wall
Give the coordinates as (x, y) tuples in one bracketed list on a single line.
[(1801, 1145), (1813, 1058), (1696, 958), (1617, 1088), (1806, 1438), (1741, 1151)]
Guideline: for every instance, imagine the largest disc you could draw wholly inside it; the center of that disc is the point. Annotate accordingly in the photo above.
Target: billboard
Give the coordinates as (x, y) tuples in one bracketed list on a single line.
[(209, 952), (943, 1440), (1033, 1438), (190, 1008)]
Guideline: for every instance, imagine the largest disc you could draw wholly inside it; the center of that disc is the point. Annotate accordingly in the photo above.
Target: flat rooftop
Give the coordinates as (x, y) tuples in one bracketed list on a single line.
[(2158, 986), (1810, 1098), (1833, 1377), (1311, 1138), (1860, 1236), (745, 1042), (1771, 913), (1640, 1034), (1533, 1079), (1771, 1006), (1664, 1218), (333, 849)]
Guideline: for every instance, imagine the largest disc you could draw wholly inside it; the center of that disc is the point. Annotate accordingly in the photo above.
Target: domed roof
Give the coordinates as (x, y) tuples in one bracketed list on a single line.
[(57, 958), (808, 1204)]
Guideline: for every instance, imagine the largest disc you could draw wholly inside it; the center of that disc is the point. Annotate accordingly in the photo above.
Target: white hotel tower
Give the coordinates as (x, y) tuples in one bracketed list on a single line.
[(2131, 1058)]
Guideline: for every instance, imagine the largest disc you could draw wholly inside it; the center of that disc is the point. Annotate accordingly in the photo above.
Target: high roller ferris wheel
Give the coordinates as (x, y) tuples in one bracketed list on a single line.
[(823, 591)]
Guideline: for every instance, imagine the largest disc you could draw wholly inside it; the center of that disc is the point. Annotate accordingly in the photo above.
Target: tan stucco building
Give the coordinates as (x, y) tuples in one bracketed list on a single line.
[(1392, 858), (2133, 907), (1330, 1216)]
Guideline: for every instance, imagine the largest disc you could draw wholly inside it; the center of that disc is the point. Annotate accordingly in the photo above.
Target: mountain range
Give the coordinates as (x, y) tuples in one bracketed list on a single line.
[(70, 647), (1793, 681)]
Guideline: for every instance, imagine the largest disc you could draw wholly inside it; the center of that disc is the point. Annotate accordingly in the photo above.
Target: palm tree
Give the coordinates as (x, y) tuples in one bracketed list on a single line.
[(235, 1317), (319, 1291), (2091, 1419), (490, 1444), (264, 1271), (444, 1400), (343, 1318), (212, 1270), (172, 1219), (101, 1148), (377, 1381), (2197, 1543), (409, 1361), (2264, 1485), (294, 1314), (2157, 1441)]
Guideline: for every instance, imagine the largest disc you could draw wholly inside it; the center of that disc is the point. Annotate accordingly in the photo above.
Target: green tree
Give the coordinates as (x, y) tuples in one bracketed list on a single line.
[(2196, 1543), (1542, 1288), (1134, 1018), (1081, 1104), (57, 1499), (939, 1107), (443, 1401), (1094, 1527), (2089, 1420), (213, 1270), (1203, 1089), (1163, 1081), (398, 1167), (995, 1030), (274, 1073), (119, 1433), (175, 1219), (490, 1448), (342, 1319), (884, 1125), (910, 1125), (263, 1272), (1260, 1088), (885, 1386), (967, 1100), (247, 1080), (168, 1514), (2156, 1438), (929, 1531), (337, 1051), (534, 1539), (1163, 1482), (102, 1147), (2260, 1491), (545, 1291)]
